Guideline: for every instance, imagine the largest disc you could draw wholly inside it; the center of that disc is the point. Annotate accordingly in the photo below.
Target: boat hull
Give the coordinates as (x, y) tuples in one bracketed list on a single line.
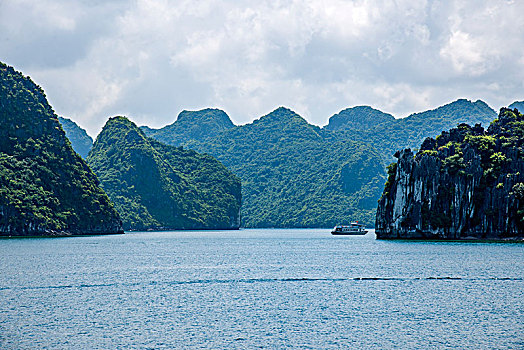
[(359, 233)]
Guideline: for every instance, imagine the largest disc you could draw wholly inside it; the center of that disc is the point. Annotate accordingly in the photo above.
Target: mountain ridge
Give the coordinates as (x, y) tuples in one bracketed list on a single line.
[(409, 132), (273, 156)]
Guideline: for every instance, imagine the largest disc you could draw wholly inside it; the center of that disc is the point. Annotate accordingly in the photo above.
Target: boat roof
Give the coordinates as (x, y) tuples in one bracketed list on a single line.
[(351, 224)]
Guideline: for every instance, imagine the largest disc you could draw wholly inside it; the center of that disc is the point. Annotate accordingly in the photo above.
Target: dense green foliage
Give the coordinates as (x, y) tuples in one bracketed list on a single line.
[(359, 118), (388, 135), (189, 125), (295, 174), (155, 186), (500, 145), (78, 137), (45, 187)]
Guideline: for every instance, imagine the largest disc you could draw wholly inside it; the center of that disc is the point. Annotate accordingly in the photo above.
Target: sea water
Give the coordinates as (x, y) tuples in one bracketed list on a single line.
[(270, 289)]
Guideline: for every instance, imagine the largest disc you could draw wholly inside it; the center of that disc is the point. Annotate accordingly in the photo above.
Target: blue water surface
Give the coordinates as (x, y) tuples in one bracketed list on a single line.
[(259, 289)]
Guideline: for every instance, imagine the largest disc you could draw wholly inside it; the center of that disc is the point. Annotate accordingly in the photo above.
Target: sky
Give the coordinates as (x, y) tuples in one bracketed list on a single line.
[(149, 60)]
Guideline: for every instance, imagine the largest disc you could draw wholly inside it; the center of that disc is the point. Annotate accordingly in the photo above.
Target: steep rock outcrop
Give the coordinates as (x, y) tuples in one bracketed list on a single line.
[(467, 182)]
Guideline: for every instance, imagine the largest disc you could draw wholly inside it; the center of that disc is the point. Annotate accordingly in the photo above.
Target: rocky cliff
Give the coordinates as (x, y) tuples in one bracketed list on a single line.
[(45, 187), (466, 183)]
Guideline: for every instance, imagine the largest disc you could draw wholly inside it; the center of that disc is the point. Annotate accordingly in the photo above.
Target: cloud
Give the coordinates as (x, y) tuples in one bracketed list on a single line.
[(150, 59), (466, 54)]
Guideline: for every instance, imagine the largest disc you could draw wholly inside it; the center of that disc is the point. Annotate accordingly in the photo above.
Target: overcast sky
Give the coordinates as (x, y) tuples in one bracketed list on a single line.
[(149, 60)]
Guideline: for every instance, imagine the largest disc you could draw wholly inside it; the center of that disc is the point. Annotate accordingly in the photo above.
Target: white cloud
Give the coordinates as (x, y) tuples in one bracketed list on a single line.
[(465, 53), (151, 59)]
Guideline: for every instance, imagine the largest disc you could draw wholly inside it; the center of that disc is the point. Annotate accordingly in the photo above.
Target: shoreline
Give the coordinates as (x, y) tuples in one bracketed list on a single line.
[(458, 240)]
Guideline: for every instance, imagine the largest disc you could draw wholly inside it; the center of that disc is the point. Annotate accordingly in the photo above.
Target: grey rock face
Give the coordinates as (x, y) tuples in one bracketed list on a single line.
[(466, 184)]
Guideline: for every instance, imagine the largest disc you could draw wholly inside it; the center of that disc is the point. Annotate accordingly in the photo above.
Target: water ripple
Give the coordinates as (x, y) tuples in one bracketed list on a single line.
[(267, 280)]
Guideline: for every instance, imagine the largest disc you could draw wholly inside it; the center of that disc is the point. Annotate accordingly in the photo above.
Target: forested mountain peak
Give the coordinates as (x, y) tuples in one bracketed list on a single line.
[(156, 186), (116, 129), (45, 187), (456, 110), (25, 112), (208, 115), (281, 124), (192, 125), (357, 118), (280, 115)]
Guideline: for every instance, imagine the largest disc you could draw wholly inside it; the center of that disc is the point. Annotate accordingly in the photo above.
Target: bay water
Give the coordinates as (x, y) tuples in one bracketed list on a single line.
[(259, 288)]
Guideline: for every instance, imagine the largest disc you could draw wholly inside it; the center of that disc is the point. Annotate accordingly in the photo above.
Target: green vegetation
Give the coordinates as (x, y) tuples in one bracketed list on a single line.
[(155, 186), (78, 137), (392, 171), (388, 135), (360, 118), (295, 174), (495, 147), (45, 187)]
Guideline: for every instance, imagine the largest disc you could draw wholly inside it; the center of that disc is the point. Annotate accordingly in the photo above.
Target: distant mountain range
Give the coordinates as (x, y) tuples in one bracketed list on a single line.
[(363, 123), (294, 174), (299, 175), (389, 135)]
